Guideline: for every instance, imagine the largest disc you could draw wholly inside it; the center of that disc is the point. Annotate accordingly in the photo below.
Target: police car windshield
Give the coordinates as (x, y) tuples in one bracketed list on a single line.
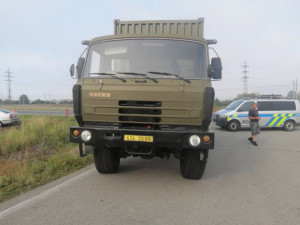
[(234, 105)]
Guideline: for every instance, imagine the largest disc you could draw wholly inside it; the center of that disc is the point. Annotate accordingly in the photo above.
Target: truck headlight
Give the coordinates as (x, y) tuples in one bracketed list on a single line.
[(195, 140), (86, 135)]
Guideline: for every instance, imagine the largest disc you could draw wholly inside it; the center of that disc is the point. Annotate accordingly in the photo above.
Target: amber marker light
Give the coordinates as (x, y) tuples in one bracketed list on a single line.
[(206, 138), (76, 133)]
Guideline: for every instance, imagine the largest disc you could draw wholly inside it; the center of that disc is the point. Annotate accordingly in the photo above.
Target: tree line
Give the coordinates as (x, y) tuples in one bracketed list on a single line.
[(219, 103), (24, 100)]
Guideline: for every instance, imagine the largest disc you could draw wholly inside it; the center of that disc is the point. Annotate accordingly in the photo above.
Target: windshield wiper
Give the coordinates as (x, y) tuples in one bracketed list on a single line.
[(109, 74), (139, 74), (170, 74)]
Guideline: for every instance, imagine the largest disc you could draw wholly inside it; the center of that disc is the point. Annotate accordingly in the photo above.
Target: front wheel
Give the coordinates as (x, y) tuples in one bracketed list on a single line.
[(289, 125), (107, 159), (233, 125), (193, 163)]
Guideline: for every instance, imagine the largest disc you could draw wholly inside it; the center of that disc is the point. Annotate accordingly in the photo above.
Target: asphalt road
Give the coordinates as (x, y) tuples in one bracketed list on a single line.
[(242, 184)]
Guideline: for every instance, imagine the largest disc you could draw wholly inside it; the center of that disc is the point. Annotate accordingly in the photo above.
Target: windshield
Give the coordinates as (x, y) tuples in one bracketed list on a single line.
[(185, 58), (234, 105), (5, 111)]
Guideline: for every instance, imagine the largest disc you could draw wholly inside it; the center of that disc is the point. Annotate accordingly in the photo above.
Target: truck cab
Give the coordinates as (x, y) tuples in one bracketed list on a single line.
[(146, 91)]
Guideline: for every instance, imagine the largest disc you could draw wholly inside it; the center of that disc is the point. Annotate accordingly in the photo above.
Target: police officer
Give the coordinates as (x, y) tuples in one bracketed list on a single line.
[(254, 123)]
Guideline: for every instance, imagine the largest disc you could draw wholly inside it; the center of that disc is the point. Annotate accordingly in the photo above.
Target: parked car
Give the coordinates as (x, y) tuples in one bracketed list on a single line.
[(8, 117), (283, 113)]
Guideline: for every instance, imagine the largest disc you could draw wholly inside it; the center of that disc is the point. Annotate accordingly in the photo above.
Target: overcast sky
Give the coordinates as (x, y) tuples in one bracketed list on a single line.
[(40, 39)]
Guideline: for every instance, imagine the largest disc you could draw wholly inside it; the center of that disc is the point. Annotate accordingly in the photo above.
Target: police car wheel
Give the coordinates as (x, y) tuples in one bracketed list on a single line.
[(289, 125), (233, 125)]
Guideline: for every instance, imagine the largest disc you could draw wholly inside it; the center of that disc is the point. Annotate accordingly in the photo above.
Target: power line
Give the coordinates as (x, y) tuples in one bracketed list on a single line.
[(295, 88), (245, 77), (9, 80)]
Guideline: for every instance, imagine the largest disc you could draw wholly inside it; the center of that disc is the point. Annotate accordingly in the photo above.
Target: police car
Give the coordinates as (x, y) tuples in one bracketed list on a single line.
[(284, 113)]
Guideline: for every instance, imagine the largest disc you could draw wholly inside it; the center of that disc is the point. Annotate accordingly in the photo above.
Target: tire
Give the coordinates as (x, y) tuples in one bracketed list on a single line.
[(289, 125), (233, 125), (107, 160), (191, 166)]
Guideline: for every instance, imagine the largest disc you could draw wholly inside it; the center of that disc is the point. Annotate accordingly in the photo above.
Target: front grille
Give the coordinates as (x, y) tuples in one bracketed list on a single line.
[(139, 112), (140, 103)]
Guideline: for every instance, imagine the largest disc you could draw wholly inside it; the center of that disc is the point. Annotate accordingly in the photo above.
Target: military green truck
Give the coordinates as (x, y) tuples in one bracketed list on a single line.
[(146, 91)]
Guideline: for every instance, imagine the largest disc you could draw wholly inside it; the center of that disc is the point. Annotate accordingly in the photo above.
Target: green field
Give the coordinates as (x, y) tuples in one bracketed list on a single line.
[(35, 153)]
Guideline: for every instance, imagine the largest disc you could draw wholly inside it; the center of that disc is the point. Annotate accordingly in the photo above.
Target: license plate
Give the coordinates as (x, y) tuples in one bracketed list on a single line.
[(138, 138)]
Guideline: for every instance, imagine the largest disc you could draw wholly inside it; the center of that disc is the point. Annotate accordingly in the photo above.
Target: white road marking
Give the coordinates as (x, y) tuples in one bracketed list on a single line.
[(41, 196)]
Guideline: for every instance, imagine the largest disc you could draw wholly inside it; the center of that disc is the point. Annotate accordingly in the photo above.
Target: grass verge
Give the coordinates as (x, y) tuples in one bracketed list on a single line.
[(36, 153), (40, 107)]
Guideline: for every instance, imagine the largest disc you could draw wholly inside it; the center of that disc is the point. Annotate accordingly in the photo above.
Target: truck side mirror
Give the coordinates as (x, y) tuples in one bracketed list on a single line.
[(216, 68), (72, 70), (79, 67)]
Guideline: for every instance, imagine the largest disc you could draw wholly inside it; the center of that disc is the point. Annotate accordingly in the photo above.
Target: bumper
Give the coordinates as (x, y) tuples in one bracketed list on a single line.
[(11, 122), (160, 138), (222, 122)]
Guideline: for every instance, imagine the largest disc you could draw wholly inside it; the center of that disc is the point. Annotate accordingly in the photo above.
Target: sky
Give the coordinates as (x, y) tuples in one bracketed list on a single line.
[(40, 39)]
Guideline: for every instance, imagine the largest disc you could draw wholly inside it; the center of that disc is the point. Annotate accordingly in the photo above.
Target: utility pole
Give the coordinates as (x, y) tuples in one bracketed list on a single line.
[(9, 98), (245, 77), (296, 88)]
